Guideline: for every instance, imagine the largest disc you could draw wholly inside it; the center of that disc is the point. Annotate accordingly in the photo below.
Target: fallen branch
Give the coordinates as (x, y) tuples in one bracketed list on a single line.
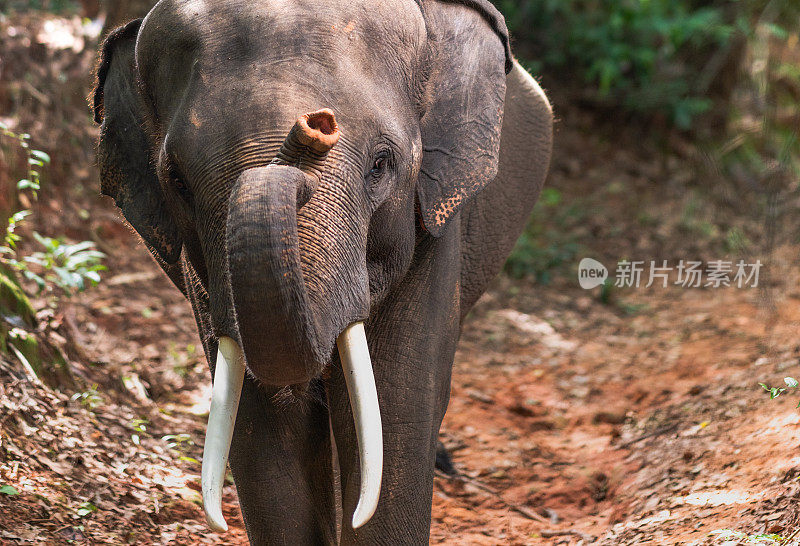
[(657, 432), (550, 533)]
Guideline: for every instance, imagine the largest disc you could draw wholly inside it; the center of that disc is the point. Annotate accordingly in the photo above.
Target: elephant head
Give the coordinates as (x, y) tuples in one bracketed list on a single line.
[(288, 158)]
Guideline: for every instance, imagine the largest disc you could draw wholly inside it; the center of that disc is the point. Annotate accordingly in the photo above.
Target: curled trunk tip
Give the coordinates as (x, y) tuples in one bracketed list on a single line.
[(313, 134), (310, 139), (317, 130)]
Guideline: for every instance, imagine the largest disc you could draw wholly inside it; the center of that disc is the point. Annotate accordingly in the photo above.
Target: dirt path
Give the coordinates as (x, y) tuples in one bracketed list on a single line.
[(635, 421), (598, 425), (620, 429)]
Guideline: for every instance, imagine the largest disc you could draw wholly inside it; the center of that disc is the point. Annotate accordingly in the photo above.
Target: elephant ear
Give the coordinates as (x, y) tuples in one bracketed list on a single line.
[(124, 154), (464, 110)]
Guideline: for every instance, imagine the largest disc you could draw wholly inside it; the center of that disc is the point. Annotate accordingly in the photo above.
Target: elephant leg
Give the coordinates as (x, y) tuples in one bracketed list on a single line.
[(281, 457), (412, 338)]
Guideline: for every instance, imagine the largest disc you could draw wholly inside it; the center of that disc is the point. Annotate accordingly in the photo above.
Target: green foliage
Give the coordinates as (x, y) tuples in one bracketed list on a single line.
[(139, 425), (61, 268), (70, 267), (9, 490), (635, 53), (737, 537), (11, 238), (645, 56), (85, 509), (548, 243), (36, 160), (54, 6), (774, 392), (182, 444), (90, 398), (183, 360)]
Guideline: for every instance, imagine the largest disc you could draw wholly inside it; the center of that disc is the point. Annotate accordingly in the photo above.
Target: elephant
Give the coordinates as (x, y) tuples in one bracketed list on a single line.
[(332, 186)]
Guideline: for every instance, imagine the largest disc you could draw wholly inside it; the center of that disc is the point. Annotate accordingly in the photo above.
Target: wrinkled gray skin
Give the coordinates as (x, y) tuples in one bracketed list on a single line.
[(403, 225)]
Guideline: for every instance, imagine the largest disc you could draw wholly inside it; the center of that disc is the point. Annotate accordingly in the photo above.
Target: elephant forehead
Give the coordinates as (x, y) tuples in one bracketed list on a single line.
[(231, 32), (219, 56), (216, 111)]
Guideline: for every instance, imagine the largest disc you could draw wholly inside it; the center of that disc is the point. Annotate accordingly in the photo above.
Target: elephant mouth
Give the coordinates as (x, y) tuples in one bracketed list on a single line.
[(226, 391)]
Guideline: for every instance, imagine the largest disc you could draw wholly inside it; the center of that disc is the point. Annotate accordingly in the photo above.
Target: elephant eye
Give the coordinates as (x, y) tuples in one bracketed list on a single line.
[(380, 164), (179, 184)]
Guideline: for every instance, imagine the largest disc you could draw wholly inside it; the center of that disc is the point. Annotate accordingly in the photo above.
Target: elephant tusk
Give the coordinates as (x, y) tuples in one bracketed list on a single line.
[(225, 393), (357, 367)]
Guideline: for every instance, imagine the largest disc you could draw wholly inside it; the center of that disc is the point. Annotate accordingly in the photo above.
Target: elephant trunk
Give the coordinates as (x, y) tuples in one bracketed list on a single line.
[(285, 338), (276, 325), (309, 141)]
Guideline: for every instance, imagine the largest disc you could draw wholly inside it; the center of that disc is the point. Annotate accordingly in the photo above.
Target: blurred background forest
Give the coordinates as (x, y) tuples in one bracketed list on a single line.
[(676, 138)]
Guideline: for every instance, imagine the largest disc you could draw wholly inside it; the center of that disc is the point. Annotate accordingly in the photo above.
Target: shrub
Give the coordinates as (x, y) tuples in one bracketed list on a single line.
[(646, 56), (55, 6), (60, 268)]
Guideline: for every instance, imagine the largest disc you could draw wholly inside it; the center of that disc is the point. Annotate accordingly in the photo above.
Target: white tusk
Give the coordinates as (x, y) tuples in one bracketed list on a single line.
[(357, 367), (225, 393)]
